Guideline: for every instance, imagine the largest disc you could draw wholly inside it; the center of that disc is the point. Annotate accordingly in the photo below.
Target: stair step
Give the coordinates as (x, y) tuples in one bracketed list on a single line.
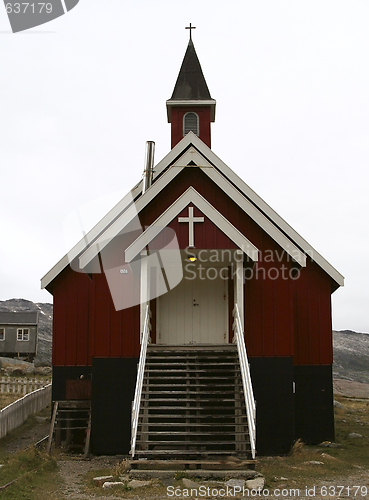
[(195, 433), (162, 377), (192, 400), (216, 362), (188, 452), (193, 408), (201, 416), (186, 391), (182, 444), (191, 424), (149, 463)]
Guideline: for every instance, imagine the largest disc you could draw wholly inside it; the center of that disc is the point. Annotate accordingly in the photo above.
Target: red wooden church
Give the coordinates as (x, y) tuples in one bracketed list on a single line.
[(193, 301)]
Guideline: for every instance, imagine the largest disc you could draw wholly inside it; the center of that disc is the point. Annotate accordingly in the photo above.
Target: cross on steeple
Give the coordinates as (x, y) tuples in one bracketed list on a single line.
[(190, 27)]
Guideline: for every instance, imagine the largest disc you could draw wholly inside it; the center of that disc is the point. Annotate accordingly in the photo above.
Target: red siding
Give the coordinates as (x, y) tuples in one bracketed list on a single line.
[(283, 317), (177, 123), (313, 323), (71, 319)]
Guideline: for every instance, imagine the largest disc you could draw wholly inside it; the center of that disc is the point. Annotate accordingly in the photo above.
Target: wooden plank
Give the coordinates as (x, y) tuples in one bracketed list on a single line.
[(52, 425)]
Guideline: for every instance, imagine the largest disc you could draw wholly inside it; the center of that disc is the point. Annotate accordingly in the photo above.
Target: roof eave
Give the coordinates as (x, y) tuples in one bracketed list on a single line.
[(176, 103)]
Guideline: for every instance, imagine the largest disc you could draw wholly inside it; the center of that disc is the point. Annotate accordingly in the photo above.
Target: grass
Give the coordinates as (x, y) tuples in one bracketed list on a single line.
[(35, 472), (336, 463), (7, 398)]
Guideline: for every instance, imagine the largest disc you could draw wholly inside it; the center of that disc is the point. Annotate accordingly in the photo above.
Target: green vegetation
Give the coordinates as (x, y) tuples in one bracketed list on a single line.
[(34, 474)]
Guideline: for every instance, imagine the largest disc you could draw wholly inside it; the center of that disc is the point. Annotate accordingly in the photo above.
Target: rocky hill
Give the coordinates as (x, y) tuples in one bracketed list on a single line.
[(351, 356), (45, 318), (351, 349)]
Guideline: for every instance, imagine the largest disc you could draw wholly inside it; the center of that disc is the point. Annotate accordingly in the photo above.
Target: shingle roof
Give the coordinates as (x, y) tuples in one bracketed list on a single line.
[(191, 82), (18, 318)]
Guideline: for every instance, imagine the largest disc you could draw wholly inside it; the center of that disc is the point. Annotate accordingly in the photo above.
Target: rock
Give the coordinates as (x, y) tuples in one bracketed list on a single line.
[(135, 483), (44, 370), (354, 435), (337, 404), (190, 484), (255, 484), (313, 462), (235, 482), (328, 457), (101, 480), (112, 484), (40, 420)]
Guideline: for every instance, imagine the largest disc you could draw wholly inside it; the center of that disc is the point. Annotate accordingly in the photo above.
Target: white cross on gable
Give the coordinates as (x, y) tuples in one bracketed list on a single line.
[(191, 220)]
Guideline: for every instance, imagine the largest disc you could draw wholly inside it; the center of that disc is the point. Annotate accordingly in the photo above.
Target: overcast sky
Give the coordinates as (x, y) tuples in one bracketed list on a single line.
[(81, 95)]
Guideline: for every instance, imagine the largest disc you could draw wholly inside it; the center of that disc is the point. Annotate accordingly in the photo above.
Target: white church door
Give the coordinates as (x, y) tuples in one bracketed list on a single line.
[(194, 312)]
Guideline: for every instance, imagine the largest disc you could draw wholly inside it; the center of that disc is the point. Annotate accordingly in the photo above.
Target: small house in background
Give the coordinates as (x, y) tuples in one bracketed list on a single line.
[(18, 334)]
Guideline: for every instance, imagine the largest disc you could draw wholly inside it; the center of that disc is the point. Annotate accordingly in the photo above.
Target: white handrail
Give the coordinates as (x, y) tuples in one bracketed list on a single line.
[(246, 379), (140, 376)]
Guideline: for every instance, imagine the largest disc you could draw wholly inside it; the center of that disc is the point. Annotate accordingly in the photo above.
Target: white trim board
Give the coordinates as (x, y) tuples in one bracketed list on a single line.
[(91, 236), (218, 179), (124, 219), (110, 217), (248, 194), (191, 196)]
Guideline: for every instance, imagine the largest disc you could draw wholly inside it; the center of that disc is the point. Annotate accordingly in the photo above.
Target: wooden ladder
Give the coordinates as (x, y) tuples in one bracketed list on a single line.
[(70, 416)]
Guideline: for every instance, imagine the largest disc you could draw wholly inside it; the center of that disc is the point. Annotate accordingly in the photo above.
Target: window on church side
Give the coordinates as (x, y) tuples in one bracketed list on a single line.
[(2, 333), (190, 123)]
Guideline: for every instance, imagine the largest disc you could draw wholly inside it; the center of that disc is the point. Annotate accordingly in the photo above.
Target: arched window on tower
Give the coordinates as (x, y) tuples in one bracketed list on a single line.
[(190, 123)]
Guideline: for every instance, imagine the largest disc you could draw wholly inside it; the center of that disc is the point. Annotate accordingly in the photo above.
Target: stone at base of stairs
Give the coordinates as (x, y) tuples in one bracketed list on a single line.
[(220, 463), (203, 474)]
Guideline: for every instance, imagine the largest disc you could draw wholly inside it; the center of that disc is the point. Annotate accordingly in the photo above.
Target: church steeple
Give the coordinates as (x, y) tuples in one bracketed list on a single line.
[(191, 106)]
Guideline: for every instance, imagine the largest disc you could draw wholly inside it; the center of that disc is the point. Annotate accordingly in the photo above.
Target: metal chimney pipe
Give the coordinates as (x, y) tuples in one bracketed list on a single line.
[(149, 165)]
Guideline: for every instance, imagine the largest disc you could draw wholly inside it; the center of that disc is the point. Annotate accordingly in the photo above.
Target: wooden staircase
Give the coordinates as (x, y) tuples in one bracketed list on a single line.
[(192, 405)]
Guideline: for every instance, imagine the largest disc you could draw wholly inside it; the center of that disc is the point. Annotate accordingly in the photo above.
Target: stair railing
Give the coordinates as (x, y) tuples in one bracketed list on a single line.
[(246, 378), (145, 340)]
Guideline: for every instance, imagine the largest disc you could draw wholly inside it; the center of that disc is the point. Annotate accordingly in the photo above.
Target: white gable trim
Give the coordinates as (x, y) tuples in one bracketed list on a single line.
[(248, 193), (191, 196), (123, 220), (203, 156), (164, 180), (91, 236), (111, 216), (257, 216), (192, 155)]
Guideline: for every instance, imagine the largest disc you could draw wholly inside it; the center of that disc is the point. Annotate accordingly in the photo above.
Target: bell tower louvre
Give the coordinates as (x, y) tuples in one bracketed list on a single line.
[(191, 107)]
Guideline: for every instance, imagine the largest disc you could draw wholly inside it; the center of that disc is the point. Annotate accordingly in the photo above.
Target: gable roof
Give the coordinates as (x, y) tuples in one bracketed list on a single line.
[(191, 150), (191, 196), (162, 181)]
